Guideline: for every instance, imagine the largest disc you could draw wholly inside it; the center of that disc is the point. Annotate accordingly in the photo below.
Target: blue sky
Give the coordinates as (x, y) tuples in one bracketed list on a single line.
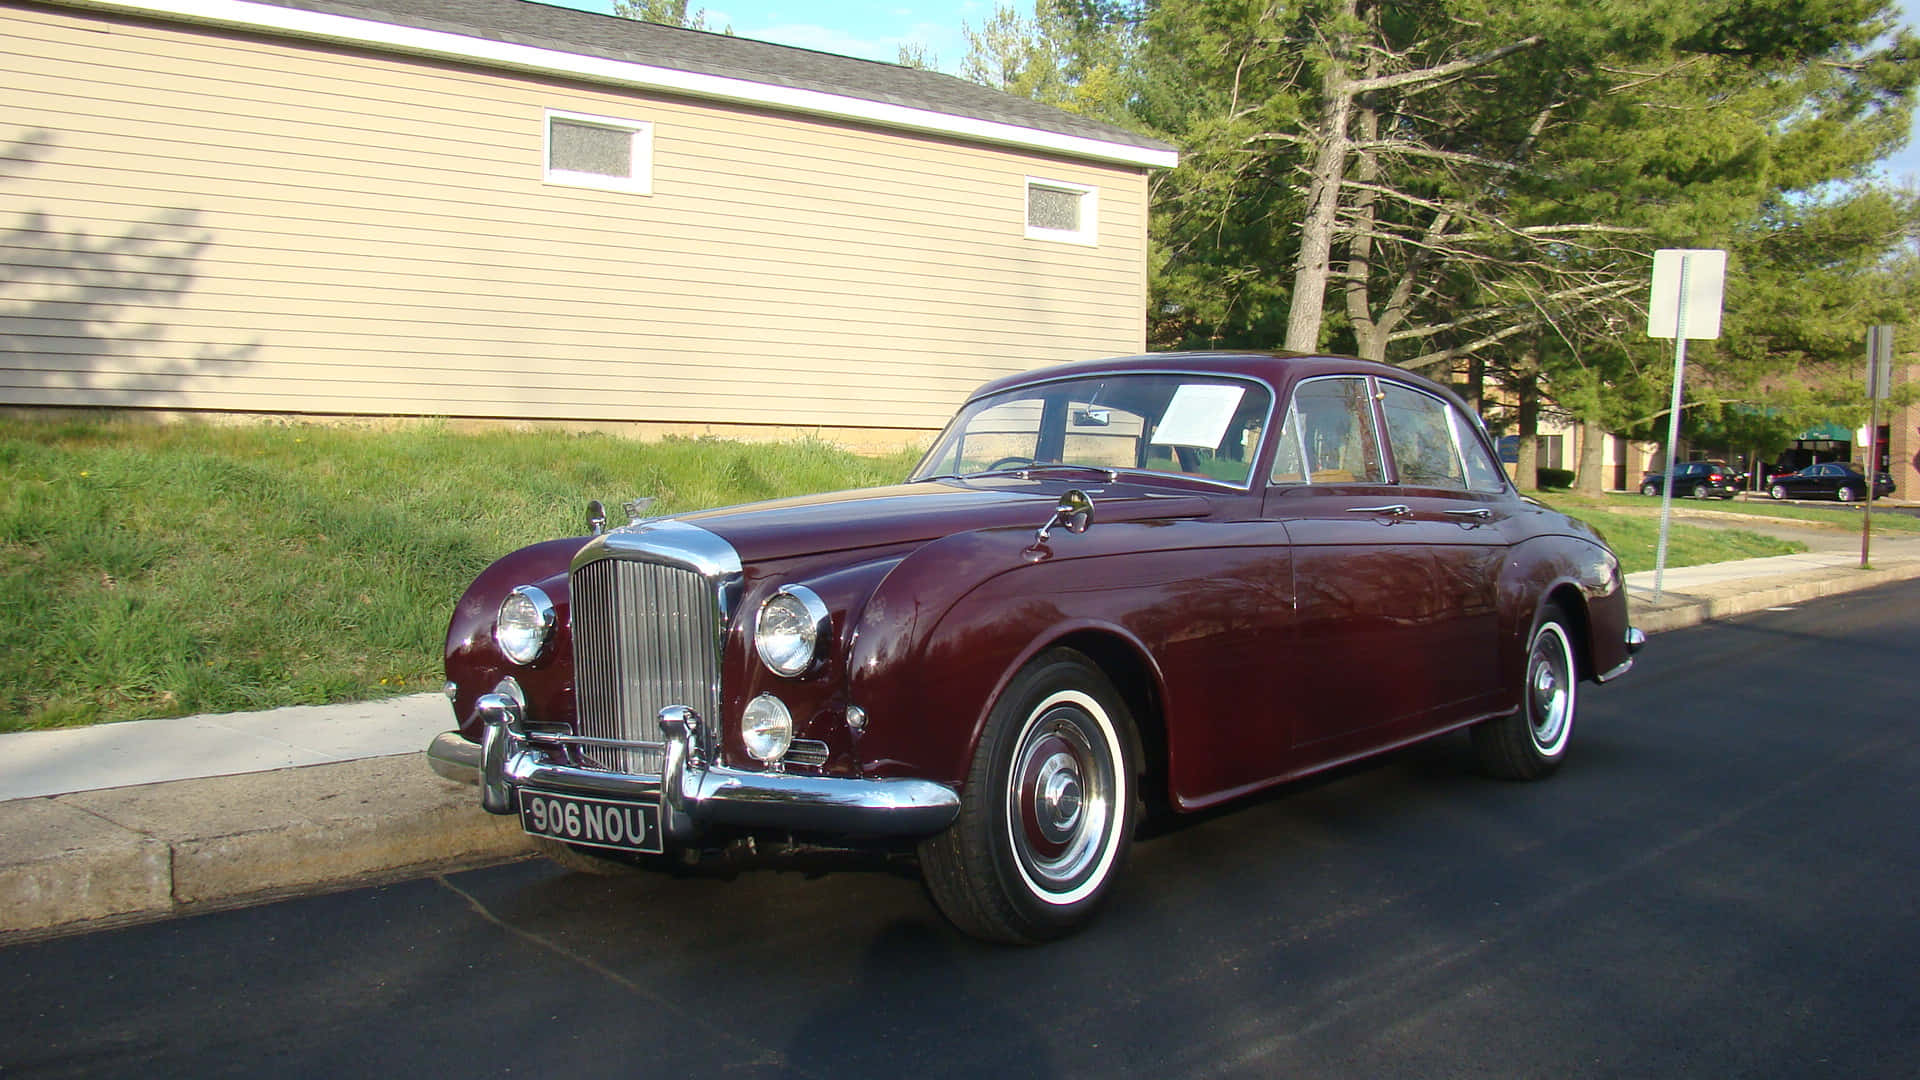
[(875, 29)]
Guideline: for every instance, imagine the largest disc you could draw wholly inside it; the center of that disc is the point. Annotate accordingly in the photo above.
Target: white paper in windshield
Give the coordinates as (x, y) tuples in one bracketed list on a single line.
[(1198, 415)]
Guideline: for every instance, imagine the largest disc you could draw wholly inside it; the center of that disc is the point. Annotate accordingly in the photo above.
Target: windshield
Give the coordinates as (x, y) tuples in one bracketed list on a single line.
[(1185, 425)]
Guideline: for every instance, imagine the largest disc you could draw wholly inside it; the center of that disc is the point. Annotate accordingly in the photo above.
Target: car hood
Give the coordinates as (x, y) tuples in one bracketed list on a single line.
[(916, 513)]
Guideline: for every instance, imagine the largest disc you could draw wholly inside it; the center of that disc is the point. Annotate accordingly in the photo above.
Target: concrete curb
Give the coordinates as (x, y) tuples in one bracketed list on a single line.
[(1678, 610), (185, 845), (93, 859)]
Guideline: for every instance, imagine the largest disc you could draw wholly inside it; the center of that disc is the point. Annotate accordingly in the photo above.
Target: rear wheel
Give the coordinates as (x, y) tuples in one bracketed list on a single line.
[(1049, 808), (1777, 492), (1845, 494), (1701, 491), (1532, 741)]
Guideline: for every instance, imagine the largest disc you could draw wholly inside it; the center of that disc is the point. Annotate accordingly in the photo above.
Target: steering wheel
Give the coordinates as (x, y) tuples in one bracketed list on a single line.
[(1007, 462)]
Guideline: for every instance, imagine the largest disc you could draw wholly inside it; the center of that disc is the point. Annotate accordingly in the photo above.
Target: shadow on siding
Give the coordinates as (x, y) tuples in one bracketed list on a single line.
[(83, 312)]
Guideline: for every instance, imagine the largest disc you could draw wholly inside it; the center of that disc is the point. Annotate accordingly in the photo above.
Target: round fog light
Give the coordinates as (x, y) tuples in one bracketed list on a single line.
[(766, 727)]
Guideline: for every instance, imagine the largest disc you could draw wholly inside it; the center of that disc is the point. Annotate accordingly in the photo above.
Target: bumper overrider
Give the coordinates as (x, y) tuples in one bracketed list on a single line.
[(692, 792)]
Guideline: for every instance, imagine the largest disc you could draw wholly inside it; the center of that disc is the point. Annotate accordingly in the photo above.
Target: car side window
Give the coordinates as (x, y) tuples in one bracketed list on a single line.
[(1424, 454), (1484, 473), (1329, 434), (1287, 467)]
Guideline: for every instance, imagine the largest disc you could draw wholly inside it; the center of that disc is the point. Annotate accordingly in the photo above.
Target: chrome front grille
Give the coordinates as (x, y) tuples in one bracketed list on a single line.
[(646, 635)]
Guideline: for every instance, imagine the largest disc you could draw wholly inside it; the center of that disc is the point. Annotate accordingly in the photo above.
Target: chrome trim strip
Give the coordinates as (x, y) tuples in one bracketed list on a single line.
[(691, 792), (587, 740)]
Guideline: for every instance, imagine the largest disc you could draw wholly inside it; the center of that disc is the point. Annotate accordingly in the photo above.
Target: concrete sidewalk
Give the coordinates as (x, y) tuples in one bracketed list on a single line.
[(132, 821)]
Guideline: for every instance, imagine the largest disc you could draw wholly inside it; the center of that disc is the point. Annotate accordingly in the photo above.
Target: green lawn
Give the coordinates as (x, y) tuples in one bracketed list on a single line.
[(168, 570), (1635, 536), (158, 570), (1834, 514)]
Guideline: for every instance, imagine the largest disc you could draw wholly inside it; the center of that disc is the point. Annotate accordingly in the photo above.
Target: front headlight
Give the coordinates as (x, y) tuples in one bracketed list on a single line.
[(524, 624), (789, 629), (766, 727)]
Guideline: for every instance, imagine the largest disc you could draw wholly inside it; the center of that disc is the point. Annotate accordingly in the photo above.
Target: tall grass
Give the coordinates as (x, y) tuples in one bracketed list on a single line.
[(166, 570)]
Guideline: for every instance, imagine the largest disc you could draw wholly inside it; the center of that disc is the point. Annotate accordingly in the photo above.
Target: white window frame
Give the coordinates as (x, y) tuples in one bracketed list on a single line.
[(641, 180), (1088, 234)]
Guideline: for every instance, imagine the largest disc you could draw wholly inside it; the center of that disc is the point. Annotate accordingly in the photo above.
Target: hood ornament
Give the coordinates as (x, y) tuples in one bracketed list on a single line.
[(597, 514), (1075, 511)]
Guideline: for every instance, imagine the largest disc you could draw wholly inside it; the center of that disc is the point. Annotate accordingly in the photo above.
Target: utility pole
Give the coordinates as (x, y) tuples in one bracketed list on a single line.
[(1879, 375)]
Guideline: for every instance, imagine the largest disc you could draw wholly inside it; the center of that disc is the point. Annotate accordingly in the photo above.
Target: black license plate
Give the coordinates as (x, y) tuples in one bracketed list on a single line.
[(601, 823)]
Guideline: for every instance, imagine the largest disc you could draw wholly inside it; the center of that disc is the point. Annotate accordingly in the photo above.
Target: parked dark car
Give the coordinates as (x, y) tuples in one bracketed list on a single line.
[(1842, 480), (1699, 479), (1163, 581)]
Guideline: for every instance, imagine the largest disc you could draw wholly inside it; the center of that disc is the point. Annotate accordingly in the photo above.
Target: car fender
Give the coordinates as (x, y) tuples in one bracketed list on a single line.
[(952, 624), (475, 664), (1584, 577)]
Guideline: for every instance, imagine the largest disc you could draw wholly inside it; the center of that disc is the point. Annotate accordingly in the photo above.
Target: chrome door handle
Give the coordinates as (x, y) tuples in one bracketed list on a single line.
[(1480, 513), (1391, 510)]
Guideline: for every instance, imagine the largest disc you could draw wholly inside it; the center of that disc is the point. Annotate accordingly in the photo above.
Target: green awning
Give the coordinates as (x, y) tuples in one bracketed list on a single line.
[(1828, 431)]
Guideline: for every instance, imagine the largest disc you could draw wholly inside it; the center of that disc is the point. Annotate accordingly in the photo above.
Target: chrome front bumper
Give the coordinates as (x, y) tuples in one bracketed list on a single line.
[(1636, 640), (691, 791)]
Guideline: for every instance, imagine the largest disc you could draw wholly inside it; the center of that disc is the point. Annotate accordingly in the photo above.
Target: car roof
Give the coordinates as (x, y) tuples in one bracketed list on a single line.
[(1277, 369)]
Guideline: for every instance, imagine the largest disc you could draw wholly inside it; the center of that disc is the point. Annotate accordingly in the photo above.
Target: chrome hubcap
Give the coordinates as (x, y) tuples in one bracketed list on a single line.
[(1061, 800), (1550, 681)]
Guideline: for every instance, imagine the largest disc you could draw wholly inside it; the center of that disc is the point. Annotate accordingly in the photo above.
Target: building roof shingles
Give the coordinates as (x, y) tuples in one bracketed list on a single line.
[(543, 26)]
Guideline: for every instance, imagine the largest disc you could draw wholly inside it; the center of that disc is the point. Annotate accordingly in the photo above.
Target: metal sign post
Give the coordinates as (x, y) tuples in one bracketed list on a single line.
[(1879, 375), (1688, 285)]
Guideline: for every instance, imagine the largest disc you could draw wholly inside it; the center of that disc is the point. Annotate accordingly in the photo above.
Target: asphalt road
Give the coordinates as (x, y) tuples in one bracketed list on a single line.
[(1722, 882)]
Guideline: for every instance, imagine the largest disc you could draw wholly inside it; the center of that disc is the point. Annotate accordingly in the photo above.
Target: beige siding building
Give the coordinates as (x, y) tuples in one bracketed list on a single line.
[(495, 208)]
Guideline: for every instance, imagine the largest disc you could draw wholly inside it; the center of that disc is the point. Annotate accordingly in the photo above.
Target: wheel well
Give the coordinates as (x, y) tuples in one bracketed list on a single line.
[(1574, 603), (1133, 677)]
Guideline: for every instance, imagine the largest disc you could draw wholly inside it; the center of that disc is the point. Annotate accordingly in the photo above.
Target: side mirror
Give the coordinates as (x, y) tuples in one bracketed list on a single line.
[(1075, 512)]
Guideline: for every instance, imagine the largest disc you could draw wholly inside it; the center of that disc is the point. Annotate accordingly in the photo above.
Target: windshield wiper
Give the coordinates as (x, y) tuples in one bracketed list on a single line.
[(1112, 474)]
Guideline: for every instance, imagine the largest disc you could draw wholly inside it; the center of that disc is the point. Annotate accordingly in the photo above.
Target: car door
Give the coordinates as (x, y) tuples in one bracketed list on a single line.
[(1457, 515), (1394, 583)]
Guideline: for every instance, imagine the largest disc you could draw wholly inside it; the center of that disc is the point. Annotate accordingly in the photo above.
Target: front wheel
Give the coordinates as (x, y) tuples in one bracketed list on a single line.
[(1049, 808), (1532, 741), (1649, 490)]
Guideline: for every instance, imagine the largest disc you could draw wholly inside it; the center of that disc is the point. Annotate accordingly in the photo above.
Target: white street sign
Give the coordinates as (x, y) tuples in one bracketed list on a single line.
[(1696, 314), (1879, 362)]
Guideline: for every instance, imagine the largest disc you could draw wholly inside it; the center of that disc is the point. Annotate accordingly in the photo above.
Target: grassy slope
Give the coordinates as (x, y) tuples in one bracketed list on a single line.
[(155, 571), (168, 570)]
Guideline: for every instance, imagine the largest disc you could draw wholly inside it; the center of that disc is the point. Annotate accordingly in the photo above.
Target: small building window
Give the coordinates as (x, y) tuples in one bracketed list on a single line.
[(599, 152), (1057, 210)]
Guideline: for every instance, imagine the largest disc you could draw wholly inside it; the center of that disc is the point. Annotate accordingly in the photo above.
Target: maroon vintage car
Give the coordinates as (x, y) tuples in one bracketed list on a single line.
[(1156, 582)]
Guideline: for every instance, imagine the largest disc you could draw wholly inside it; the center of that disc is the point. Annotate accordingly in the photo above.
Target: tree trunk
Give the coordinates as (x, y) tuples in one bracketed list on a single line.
[(1311, 273), (1526, 387), (1593, 445)]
